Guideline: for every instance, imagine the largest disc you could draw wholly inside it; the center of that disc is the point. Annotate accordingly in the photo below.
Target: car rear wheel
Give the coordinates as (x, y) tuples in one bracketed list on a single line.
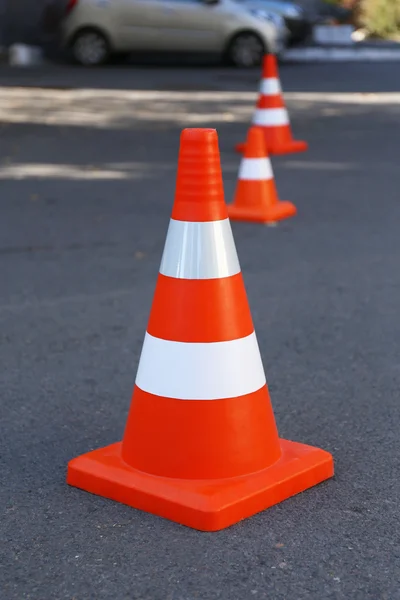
[(246, 50), (90, 48)]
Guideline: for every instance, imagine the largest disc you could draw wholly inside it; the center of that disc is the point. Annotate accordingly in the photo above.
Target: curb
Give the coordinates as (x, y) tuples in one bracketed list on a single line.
[(306, 55)]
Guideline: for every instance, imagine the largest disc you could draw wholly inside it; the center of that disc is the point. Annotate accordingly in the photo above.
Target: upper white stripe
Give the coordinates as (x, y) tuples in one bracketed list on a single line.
[(271, 116), (270, 86), (255, 168), (200, 371), (203, 250)]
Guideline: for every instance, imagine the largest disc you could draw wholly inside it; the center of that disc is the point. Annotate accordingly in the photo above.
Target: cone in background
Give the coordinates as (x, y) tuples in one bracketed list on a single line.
[(256, 198), (271, 113), (201, 446)]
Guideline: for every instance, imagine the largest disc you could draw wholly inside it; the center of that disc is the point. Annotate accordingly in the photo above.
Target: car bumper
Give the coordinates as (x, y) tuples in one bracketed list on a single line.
[(282, 38)]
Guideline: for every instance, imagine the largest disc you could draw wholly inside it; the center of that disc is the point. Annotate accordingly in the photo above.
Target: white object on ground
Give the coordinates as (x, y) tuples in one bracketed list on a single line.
[(359, 35), (22, 55)]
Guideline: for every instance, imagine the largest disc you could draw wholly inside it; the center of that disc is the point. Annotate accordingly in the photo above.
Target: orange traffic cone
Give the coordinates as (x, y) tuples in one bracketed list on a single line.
[(271, 113), (201, 446), (256, 198)]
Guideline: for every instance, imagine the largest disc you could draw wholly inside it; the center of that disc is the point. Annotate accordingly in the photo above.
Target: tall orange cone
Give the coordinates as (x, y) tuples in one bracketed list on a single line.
[(271, 113), (201, 446), (256, 198)]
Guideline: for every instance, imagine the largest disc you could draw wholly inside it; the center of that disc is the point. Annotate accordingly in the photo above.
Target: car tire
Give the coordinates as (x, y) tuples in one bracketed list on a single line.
[(246, 50), (90, 48)]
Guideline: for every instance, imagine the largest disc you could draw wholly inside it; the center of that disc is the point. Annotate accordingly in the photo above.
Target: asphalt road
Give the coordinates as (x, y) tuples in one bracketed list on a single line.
[(86, 187)]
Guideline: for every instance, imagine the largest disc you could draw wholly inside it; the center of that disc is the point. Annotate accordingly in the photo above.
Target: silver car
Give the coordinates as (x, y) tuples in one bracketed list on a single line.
[(241, 34)]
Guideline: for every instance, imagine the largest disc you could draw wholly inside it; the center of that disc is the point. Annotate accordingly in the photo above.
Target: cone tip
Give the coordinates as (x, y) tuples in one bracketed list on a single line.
[(198, 134), (199, 190), (256, 146), (270, 68)]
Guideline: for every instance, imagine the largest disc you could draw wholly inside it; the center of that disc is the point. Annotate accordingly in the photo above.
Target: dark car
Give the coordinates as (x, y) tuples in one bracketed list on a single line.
[(301, 15), (296, 21), (323, 11)]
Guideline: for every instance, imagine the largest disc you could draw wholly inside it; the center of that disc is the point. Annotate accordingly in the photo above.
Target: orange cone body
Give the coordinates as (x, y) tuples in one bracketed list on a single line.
[(271, 113), (200, 446), (256, 198)]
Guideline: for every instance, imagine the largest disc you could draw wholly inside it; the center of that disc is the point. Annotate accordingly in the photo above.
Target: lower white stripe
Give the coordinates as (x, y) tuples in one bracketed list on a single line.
[(196, 250), (255, 169), (271, 116), (200, 371), (270, 86)]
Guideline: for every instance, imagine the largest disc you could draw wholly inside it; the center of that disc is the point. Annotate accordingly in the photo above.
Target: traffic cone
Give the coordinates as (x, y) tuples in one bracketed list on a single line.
[(256, 198), (271, 113), (200, 446)]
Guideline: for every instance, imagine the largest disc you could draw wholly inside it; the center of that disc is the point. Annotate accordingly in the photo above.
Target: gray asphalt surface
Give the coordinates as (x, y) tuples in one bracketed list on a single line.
[(79, 255)]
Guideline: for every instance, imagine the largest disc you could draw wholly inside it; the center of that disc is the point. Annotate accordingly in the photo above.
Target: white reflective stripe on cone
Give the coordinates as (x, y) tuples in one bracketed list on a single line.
[(255, 168), (271, 116), (200, 371), (199, 250), (270, 86)]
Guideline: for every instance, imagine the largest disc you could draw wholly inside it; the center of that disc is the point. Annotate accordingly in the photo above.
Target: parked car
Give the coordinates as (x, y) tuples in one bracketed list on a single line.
[(95, 29)]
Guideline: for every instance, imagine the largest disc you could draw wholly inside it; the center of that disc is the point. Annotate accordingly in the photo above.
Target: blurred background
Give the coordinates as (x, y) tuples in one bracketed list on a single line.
[(62, 27)]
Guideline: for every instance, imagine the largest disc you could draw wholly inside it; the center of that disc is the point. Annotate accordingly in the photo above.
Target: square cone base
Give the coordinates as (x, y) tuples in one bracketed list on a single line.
[(207, 505), (289, 147), (277, 212), (286, 148)]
